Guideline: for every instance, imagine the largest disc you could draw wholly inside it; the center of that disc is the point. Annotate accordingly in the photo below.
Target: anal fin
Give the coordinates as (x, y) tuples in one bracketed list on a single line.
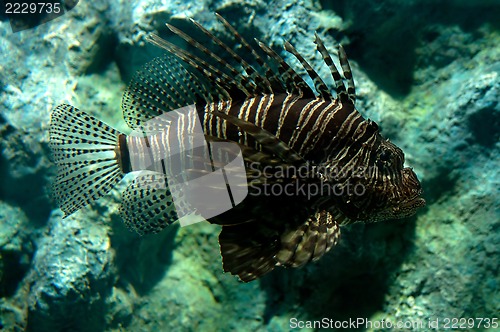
[(147, 204)]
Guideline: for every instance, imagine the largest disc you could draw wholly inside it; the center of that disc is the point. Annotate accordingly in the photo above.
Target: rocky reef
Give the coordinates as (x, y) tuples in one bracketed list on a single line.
[(427, 72)]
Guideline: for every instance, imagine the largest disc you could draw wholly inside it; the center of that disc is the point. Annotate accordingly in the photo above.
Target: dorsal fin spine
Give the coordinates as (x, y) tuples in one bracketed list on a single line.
[(294, 83), (337, 78), (275, 83), (262, 83), (346, 69), (237, 76), (318, 82), (197, 63)]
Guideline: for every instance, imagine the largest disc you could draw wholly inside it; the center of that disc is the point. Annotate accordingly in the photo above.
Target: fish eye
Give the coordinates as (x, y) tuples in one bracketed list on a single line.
[(385, 156)]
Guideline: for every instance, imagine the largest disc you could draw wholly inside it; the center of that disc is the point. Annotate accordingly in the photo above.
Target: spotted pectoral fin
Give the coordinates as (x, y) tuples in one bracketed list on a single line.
[(162, 85), (309, 241), (147, 204), (248, 249)]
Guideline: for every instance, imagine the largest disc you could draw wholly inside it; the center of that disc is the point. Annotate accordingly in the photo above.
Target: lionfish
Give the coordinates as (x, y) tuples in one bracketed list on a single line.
[(277, 119)]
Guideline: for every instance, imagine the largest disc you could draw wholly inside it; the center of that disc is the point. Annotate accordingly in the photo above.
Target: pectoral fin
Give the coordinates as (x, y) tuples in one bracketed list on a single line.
[(248, 249), (308, 242), (255, 248)]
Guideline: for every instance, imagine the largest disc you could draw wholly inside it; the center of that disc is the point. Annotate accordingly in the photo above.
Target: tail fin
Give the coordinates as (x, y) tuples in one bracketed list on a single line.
[(86, 152)]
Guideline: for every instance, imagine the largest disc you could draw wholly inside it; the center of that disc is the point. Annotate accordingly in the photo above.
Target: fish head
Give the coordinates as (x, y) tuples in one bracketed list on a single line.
[(385, 189), (398, 186), (396, 192)]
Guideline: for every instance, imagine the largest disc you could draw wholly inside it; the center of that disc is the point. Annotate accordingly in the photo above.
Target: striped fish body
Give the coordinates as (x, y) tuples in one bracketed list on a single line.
[(305, 125), (335, 137), (327, 165)]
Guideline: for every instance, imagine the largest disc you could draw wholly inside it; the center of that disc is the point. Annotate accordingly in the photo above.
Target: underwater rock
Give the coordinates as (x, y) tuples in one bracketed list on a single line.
[(452, 270), (192, 293), (12, 316), (468, 121), (461, 119), (71, 277), (16, 250), (44, 67), (71, 45), (385, 34), (15, 245), (120, 308)]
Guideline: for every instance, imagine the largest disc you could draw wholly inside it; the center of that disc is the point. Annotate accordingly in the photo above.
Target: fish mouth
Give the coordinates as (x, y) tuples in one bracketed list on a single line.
[(409, 206), (414, 199), (416, 202)]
